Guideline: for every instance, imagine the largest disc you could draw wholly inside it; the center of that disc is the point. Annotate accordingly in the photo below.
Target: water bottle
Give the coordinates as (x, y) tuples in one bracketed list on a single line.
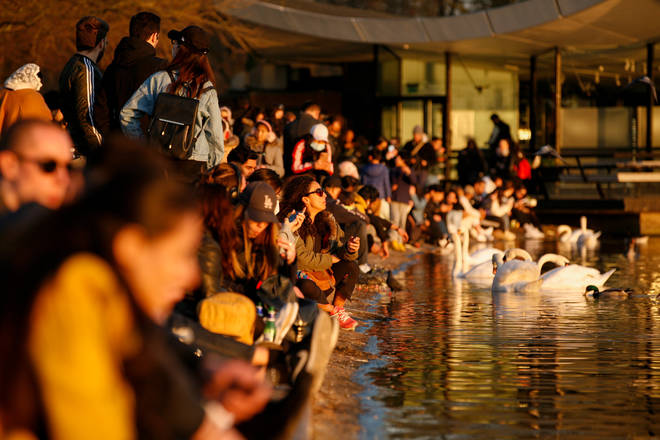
[(269, 329)]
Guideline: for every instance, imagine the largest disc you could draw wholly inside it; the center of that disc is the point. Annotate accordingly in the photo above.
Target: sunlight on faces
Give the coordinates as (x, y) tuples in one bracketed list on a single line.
[(160, 269), (262, 133), (31, 182), (313, 201), (248, 167)]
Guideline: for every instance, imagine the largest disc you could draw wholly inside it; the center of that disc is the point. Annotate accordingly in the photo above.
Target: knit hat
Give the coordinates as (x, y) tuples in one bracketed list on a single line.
[(25, 77)]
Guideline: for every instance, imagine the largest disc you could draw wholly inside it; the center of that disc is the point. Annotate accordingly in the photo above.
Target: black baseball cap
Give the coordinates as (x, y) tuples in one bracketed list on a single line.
[(260, 200), (193, 37)]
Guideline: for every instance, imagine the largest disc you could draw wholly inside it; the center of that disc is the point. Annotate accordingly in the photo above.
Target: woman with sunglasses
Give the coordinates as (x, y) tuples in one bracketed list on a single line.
[(189, 74), (326, 258)]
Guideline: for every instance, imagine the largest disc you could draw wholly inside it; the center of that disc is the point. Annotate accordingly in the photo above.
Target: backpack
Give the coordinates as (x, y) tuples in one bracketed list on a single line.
[(172, 124)]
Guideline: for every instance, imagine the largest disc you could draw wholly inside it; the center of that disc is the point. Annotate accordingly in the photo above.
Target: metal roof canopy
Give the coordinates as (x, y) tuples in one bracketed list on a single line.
[(513, 32)]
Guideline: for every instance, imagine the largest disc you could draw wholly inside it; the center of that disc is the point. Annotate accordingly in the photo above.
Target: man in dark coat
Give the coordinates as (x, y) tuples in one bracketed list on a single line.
[(80, 82), (293, 132), (135, 60)]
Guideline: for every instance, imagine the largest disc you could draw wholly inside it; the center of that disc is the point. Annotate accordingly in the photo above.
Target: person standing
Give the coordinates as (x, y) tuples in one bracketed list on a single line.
[(20, 98), (190, 75), (80, 81), (500, 131), (135, 60)]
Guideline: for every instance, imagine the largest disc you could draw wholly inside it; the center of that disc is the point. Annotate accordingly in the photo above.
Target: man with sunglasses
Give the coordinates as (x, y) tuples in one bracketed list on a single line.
[(35, 157)]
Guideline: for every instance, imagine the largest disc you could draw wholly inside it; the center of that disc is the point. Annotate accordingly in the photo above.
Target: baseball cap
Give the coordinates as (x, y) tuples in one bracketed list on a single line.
[(319, 132), (193, 37), (260, 200), (418, 129)]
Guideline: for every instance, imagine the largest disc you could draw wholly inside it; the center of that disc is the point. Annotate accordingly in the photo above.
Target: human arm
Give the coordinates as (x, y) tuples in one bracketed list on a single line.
[(82, 92), (213, 129), (142, 102)]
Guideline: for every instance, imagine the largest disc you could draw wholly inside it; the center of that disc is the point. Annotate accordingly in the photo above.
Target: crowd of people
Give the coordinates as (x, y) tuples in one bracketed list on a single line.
[(200, 294)]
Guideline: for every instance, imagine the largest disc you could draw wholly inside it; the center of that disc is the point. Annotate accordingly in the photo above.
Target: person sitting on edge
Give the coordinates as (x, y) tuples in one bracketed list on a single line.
[(326, 260), (312, 153), (351, 221)]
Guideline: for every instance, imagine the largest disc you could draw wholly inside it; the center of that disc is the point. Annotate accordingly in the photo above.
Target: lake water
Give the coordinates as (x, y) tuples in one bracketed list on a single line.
[(455, 361)]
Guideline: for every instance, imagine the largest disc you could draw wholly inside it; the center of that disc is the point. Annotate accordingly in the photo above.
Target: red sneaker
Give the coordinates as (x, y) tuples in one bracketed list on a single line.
[(344, 319)]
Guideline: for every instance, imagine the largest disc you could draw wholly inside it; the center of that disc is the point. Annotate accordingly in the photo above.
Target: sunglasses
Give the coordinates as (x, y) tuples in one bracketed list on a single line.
[(47, 166), (318, 191)]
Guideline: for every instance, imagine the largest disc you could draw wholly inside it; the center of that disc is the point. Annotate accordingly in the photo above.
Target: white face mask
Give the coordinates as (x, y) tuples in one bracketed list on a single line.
[(317, 146)]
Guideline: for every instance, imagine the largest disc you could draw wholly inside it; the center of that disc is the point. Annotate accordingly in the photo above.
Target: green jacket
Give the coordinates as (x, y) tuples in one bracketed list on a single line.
[(80, 81), (310, 256)]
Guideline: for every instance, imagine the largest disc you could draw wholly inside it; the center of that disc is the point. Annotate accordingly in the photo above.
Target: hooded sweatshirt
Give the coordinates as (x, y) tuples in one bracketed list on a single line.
[(20, 99), (135, 60), (377, 175)]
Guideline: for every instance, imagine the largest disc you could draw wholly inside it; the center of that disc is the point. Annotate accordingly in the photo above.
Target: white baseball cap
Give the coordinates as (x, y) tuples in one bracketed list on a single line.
[(319, 132)]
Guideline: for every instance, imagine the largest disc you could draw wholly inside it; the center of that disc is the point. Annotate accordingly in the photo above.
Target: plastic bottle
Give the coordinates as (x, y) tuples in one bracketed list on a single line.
[(270, 329), (260, 310)]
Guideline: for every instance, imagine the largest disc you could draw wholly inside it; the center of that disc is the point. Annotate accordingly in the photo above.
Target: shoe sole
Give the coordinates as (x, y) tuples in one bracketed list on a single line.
[(324, 337), (287, 321)]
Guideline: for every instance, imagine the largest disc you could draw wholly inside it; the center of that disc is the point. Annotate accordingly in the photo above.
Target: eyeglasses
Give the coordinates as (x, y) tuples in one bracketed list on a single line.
[(318, 191), (47, 166)]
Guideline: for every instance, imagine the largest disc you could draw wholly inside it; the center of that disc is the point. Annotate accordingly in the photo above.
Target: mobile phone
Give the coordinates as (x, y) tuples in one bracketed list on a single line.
[(293, 216)]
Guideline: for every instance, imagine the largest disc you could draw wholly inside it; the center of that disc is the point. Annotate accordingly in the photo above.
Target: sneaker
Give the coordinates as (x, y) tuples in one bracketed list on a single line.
[(344, 319), (284, 320), (365, 268)]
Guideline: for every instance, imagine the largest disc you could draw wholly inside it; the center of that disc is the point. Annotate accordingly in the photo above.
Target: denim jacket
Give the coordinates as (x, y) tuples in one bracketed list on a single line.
[(209, 148)]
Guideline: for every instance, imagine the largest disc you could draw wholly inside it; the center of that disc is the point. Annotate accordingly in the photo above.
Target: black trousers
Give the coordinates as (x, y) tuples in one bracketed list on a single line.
[(346, 276), (358, 229)]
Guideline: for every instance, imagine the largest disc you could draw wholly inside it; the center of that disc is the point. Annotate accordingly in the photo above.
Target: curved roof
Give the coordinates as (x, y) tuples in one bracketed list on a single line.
[(518, 30)]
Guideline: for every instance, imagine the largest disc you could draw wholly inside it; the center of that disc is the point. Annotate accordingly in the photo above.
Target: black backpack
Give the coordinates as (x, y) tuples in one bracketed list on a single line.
[(172, 124)]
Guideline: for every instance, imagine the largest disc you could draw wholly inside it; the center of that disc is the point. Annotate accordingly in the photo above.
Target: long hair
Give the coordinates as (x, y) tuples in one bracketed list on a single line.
[(220, 221), (128, 187), (193, 71), (261, 253), (294, 190)]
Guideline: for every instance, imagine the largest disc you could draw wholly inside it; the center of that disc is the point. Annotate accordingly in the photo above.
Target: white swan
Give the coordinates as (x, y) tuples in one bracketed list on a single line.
[(574, 277), (565, 234), (464, 267), (513, 274), (587, 238)]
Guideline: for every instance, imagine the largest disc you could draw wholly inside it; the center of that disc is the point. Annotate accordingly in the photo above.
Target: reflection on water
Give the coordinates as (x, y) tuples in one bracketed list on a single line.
[(455, 360)]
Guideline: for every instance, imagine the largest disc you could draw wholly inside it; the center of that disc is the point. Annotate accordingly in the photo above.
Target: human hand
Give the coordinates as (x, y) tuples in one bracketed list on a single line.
[(335, 259), (236, 385), (437, 218), (385, 250), (297, 222), (404, 235), (287, 250), (353, 244)]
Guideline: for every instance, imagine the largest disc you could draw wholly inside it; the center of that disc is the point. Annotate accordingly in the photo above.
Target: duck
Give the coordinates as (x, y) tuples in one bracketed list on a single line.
[(464, 264), (573, 277), (592, 291), (517, 271)]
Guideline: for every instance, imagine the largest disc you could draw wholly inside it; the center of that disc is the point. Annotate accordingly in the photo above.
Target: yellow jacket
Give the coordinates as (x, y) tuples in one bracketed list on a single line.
[(81, 330)]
